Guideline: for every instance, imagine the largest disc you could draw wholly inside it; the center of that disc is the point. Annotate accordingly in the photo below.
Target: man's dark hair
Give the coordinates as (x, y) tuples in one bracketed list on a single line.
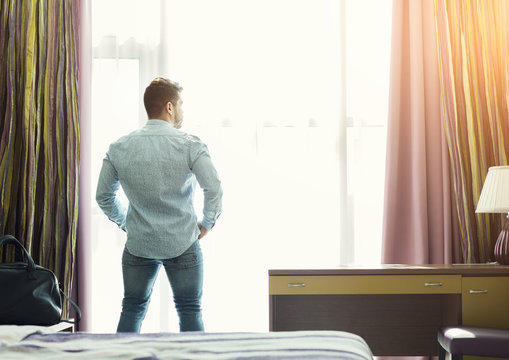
[(158, 93)]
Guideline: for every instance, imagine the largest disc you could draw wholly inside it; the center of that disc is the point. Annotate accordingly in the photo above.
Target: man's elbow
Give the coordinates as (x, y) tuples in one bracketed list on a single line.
[(217, 192), (214, 195), (102, 199)]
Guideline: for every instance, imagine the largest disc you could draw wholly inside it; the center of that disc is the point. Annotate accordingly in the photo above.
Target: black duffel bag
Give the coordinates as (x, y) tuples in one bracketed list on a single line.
[(29, 293)]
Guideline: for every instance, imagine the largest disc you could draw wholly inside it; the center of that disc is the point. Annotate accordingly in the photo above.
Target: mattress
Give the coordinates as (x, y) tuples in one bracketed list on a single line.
[(35, 343)]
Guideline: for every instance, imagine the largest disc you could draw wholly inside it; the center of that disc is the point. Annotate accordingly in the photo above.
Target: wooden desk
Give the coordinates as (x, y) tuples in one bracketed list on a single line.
[(397, 309)]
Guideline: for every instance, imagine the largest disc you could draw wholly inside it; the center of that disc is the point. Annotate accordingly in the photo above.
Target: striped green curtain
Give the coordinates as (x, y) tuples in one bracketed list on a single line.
[(39, 134), (473, 43)]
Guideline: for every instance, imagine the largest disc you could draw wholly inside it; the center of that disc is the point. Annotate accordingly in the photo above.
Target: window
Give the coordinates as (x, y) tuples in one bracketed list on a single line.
[(264, 86)]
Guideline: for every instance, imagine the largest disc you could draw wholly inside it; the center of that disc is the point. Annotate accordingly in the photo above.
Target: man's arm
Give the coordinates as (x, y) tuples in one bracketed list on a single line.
[(208, 180), (106, 194)]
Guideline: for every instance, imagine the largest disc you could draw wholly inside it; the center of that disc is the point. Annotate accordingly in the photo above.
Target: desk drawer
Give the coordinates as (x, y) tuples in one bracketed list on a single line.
[(485, 301), (360, 284)]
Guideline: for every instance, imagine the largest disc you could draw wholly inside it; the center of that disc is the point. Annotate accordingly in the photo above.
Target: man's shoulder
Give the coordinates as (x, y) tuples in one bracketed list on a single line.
[(192, 138), (126, 137), (196, 145), (123, 143), (140, 136)]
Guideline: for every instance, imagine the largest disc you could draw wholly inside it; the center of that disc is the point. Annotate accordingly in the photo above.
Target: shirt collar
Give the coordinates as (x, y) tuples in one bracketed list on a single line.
[(152, 122), (162, 124)]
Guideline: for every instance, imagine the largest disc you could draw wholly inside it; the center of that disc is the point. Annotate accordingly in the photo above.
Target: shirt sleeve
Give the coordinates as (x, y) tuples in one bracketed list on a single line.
[(206, 175), (106, 194)]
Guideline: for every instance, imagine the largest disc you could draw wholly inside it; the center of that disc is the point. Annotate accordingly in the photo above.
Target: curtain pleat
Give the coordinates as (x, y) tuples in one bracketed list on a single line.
[(39, 141), (417, 227), (472, 38)]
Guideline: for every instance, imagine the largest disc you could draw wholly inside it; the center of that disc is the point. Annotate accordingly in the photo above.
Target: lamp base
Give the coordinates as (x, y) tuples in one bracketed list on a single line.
[(502, 245)]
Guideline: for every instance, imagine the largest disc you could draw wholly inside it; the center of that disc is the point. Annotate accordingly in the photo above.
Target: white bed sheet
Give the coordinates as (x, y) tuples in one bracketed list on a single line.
[(37, 343)]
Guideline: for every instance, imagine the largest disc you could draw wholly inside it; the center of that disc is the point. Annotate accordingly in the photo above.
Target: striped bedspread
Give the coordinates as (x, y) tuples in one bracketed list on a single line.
[(220, 346)]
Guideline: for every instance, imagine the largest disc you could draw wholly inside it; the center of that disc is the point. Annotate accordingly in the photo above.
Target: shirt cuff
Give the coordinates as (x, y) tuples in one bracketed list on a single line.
[(207, 224)]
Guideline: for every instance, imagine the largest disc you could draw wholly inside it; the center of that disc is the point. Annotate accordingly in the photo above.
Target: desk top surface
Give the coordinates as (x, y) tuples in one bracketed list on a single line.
[(490, 269)]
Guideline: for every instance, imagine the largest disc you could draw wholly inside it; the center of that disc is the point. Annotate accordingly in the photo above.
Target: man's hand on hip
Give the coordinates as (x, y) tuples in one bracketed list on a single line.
[(203, 231)]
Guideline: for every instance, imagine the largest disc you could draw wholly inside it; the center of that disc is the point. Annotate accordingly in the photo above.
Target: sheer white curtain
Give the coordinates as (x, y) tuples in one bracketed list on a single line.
[(263, 82)]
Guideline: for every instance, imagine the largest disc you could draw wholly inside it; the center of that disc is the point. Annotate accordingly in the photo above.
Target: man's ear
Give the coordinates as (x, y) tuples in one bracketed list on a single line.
[(169, 107)]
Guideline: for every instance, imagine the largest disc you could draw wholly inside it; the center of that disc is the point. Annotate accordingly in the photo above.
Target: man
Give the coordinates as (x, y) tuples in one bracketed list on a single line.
[(157, 167)]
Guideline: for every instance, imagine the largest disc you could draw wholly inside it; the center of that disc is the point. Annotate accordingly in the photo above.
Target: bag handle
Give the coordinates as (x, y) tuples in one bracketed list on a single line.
[(75, 306), (9, 239)]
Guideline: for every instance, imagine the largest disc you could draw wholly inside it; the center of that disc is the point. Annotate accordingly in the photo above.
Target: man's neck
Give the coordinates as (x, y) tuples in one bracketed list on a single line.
[(165, 118)]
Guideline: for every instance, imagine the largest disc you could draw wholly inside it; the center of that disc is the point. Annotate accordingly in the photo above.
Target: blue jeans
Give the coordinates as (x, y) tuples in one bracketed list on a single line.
[(185, 274)]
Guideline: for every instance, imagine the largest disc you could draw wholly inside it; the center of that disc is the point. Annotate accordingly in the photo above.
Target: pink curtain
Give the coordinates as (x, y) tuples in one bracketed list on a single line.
[(82, 288), (418, 220)]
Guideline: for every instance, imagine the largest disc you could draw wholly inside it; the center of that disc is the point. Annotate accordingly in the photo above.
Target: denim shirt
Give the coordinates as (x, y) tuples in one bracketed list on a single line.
[(157, 167)]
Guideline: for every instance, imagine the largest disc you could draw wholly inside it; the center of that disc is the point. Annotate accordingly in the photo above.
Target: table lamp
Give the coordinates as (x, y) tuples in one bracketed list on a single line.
[(495, 199)]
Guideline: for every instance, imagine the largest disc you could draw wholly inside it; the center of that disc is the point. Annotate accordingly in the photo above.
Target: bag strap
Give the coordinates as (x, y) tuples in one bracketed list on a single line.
[(75, 306), (9, 239)]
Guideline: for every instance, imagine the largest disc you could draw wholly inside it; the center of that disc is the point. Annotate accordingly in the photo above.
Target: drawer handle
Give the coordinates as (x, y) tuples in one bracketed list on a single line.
[(296, 285), (433, 284), (478, 291)]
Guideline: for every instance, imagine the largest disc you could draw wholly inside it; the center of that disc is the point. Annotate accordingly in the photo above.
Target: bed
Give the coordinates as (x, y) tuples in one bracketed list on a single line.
[(27, 342)]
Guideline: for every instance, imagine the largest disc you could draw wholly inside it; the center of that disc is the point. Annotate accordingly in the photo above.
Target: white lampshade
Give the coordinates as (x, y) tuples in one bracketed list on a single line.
[(495, 191)]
